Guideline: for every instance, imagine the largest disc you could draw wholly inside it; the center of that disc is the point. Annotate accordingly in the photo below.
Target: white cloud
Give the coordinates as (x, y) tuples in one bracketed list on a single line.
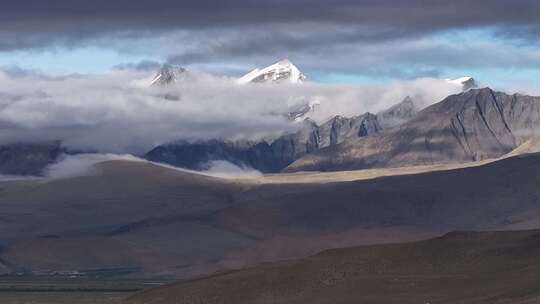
[(4, 177), (118, 112), (69, 166), (82, 164), (225, 169)]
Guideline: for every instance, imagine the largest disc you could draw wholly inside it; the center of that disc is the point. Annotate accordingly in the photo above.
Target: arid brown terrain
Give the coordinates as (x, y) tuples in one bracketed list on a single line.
[(460, 267), (139, 219)]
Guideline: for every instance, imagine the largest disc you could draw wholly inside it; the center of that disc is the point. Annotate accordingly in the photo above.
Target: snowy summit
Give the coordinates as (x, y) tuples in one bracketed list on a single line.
[(282, 71)]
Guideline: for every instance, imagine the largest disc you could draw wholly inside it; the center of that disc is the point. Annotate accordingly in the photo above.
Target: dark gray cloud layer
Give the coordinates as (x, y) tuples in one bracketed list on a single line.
[(208, 13), (373, 38), (37, 23)]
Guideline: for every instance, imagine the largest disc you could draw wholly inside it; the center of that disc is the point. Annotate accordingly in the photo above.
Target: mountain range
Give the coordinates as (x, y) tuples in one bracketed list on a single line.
[(271, 155), (263, 155), (462, 128), (475, 125), (467, 163), (274, 155)]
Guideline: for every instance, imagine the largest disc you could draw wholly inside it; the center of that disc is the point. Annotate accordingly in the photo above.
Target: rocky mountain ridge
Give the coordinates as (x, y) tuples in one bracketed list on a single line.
[(474, 125), (266, 156), (398, 114)]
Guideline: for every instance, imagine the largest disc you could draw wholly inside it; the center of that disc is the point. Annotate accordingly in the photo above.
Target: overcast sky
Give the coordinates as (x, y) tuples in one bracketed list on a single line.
[(361, 41), (79, 71)]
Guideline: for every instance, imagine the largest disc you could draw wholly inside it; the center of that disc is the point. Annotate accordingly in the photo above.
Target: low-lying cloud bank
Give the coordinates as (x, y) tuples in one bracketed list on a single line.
[(69, 166), (119, 112), (4, 178), (225, 169), (82, 164)]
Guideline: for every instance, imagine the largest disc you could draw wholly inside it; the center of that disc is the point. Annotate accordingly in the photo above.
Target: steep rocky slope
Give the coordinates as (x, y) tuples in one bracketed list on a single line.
[(474, 125), (339, 129), (398, 114)]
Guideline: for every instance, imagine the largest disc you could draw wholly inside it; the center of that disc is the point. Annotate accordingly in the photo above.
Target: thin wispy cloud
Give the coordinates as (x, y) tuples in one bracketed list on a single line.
[(87, 164)]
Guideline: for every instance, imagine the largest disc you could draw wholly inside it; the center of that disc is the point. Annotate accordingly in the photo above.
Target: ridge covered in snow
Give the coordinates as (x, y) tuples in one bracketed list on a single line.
[(282, 71)]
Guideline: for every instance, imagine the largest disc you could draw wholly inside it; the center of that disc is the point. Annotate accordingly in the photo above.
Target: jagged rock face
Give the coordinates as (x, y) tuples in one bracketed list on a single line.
[(475, 125), (168, 74), (338, 129), (398, 114), (311, 137), (480, 127), (290, 147), (28, 158), (263, 156)]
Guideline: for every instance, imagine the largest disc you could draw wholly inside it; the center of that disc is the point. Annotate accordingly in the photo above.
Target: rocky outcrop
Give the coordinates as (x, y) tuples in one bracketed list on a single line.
[(474, 125), (398, 114), (168, 74), (290, 147), (339, 129)]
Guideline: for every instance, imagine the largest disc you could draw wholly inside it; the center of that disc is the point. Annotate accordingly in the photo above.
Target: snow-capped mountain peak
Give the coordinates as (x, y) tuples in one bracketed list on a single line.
[(282, 71), (168, 74)]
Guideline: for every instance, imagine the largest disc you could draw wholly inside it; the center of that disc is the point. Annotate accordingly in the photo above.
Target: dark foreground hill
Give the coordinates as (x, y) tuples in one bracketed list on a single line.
[(139, 219), (460, 267)]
